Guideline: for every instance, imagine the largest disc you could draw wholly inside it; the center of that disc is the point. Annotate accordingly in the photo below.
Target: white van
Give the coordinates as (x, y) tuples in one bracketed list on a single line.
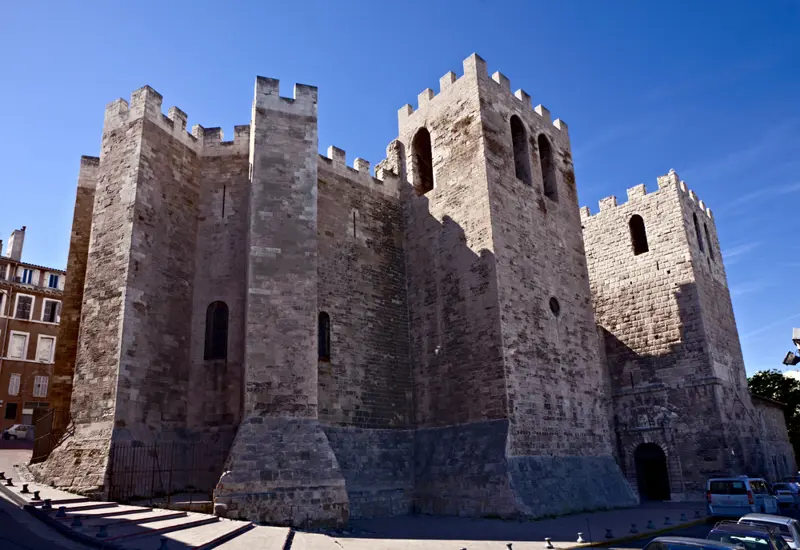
[(17, 431), (737, 496)]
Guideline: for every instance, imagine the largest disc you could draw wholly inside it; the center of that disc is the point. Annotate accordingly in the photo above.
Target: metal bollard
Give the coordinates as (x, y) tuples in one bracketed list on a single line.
[(609, 534), (549, 542), (163, 544), (2, 475), (76, 522), (580, 539), (634, 530), (650, 524), (667, 521), (24, 490), (102, 532), (683, 516), (9, 483), (47, 504), (62, 512), (36, 496)]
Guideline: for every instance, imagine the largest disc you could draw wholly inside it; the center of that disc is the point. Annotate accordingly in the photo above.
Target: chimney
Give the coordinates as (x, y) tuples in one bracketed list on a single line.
[(15, 244)]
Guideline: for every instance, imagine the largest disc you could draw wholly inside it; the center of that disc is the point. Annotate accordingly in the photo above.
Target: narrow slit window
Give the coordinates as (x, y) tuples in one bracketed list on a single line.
[(216, 331), (698, 233), (708, 241), (224, 193), (324, 337), (548, 168), (638, 235), (422, 159), (519, 138)]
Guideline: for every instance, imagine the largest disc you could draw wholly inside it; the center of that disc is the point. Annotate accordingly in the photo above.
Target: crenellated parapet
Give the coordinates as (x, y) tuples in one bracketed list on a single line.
[(384, 181), (639, 192), (475, 70), (146, 103)]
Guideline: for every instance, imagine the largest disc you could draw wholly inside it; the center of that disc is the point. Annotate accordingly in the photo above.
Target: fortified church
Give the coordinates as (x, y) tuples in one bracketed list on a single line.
[(451, 335)]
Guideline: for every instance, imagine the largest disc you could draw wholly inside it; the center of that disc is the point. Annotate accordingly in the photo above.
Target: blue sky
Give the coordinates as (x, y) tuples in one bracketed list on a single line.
[(709, 88)]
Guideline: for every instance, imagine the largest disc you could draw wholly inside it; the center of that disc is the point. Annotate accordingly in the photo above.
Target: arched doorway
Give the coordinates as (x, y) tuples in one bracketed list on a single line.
[(651, 472)]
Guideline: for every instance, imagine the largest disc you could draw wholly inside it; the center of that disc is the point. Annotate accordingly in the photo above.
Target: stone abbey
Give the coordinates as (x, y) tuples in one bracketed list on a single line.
[(452, 335)]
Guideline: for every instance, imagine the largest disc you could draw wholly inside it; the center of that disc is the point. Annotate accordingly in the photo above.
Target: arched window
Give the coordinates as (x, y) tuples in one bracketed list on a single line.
[(697, 232), (548, 167), (708, 242), (324, 336), (216, 331), (522, 163), (422, 159), (638, 235)]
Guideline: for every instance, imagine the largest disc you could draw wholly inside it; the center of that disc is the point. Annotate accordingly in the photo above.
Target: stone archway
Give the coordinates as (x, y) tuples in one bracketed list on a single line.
[(652, 477)]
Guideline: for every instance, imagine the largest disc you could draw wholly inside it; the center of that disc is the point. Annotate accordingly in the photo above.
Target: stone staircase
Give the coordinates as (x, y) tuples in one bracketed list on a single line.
[(118, 526)]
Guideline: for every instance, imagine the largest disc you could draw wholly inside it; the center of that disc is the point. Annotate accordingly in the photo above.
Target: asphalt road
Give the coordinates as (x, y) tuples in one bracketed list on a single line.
[(698, 531)]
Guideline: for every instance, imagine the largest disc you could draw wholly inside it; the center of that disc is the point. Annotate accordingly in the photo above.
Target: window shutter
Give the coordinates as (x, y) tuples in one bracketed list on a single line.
[(13, 384), (45, 352), (40, 386), (17, 346), (24, 307)]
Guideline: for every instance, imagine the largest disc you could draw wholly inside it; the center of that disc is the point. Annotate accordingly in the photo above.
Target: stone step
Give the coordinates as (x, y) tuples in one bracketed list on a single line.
[(204, 536), (81, 507), (258, 538), (131, 530), (92, 522), (119, 510)]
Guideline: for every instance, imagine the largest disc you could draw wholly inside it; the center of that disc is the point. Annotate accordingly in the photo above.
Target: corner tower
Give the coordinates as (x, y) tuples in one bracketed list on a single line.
[(682, 410), (507, 363)]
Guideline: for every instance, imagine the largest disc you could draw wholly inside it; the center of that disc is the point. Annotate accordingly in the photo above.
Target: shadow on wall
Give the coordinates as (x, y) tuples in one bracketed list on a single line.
[(671, 397)]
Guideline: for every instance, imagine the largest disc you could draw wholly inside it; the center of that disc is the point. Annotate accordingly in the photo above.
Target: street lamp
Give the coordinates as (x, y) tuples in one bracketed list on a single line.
[(792, 358)]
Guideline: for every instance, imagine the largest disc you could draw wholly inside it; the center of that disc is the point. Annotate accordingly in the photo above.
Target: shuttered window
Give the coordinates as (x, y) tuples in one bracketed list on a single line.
[(13, 384), (40, 386), (24, 307), (16, 348), (44, 352)]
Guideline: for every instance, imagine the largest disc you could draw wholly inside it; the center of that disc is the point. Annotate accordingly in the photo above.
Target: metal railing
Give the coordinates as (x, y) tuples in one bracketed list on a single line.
[(49, 428), (167, 471)]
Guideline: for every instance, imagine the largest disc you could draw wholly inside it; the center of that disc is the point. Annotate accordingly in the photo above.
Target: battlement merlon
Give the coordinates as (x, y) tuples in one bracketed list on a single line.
[(385, 180), (147, 103), (639, 192), (474, 71), (87, 175), (267, 97)]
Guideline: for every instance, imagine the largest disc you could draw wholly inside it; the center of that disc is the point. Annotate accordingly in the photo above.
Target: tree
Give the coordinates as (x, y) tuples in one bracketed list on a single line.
[(772, 384)]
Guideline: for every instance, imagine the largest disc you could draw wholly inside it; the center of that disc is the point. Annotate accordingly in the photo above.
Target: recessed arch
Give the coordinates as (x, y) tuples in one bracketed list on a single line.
[(708, 241), (652, 474), (548, 167), (216, 345), (422, 161), (519, 139), (638, 235), (698, 233), (324, 336)]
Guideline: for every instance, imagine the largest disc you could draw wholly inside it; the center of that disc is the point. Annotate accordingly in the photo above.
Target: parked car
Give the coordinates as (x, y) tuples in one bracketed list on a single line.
[(686, 543), (788, 495), (737, 496), (749, 536), (788, 528), (17, 431)]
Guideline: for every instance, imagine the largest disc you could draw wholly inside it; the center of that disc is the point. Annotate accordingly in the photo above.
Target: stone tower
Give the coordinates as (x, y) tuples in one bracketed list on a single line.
[(507, 365), (682, 411)]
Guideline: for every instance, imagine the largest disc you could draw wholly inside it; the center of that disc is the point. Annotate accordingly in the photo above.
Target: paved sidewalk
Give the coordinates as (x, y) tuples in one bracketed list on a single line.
[(423, 532)]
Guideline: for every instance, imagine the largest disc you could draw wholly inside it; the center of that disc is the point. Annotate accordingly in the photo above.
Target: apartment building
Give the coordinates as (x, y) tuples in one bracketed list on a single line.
[(30, 310)]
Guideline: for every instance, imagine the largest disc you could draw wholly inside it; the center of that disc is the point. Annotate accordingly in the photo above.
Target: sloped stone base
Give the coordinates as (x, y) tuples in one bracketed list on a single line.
[(80, 463), (283, 471)]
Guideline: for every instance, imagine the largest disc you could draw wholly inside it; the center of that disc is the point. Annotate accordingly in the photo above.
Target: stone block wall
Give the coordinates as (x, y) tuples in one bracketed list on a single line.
[(365, 390), (72, 301), (776, 455), (216, 385), (670, 335)]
